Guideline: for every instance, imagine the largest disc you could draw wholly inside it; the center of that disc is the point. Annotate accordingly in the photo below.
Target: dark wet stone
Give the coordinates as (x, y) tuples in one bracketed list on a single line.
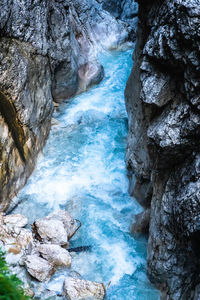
[(80, 249)]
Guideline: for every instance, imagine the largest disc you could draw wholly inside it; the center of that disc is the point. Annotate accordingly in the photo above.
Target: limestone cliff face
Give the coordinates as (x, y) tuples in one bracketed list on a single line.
[(47, 52), (25, 113), (163, 159)]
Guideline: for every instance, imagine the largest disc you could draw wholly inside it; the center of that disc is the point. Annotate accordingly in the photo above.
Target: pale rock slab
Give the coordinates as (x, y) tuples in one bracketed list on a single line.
[(77, 289), (16, 241), (15, 220), (38, 267), (55, 254)]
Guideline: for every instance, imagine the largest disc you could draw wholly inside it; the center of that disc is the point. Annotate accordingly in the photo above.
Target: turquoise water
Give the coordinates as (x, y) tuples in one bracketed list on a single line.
[(82, 170)]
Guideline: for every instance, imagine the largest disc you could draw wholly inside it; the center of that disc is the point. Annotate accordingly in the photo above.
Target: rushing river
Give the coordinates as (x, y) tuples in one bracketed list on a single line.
[(82, 170)]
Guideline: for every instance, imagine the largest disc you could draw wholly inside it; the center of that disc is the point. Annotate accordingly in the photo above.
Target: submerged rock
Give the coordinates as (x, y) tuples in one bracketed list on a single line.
[(77, 289), (38, 267), (80, 249), (55, 254), (71, 225), (75, 274)]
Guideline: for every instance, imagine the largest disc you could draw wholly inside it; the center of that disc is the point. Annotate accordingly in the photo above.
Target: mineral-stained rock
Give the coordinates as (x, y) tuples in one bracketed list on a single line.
[(55, 254), (38, 267), (75, 289), (162, 100), (56, 228)]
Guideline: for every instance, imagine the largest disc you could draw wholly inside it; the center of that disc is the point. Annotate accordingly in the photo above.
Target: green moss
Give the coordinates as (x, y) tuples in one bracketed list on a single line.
[(10, 285)]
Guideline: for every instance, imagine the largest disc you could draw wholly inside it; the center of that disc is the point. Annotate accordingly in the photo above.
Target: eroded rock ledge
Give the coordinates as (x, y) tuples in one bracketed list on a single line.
[(163, 104), (48, 53)]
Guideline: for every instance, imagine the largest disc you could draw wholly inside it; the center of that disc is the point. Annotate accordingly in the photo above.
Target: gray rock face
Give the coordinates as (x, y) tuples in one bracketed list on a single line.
[(47, 52), (25, 112), (162, 98), (55, 254), (67, 32)]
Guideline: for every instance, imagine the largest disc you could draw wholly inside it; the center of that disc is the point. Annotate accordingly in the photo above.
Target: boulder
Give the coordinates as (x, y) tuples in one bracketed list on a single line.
[(55, 254), (89, 74), (14, 239), (38, 267), (71, 225), (52, 231), (77, 289), (15, 220), (56, 228)]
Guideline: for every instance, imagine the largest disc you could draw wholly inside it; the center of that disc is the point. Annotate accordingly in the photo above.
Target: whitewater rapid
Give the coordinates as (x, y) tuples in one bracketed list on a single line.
[(82, 170)]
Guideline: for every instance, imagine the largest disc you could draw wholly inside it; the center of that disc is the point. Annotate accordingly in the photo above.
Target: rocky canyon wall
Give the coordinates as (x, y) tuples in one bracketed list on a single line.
[(48, 52), (163, 159)]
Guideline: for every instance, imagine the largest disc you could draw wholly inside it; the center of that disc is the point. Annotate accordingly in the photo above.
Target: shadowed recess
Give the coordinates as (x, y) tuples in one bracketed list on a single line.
[(8, 112)]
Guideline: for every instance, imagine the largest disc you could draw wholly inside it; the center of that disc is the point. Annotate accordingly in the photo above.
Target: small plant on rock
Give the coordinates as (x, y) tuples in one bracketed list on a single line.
[(10, 285)]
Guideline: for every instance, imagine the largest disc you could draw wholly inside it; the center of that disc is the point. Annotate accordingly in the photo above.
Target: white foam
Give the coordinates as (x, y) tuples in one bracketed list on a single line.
[(119, 259)]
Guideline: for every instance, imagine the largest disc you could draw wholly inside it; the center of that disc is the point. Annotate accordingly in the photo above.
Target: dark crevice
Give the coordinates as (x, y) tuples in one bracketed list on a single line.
[(8, 112)]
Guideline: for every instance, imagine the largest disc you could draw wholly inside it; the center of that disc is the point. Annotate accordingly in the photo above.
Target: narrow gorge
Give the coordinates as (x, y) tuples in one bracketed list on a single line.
[(100, 163)]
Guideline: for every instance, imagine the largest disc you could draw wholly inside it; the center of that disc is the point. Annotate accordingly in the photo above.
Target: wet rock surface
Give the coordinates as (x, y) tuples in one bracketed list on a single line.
[(48, 52), (162, 99), (141, 224)]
